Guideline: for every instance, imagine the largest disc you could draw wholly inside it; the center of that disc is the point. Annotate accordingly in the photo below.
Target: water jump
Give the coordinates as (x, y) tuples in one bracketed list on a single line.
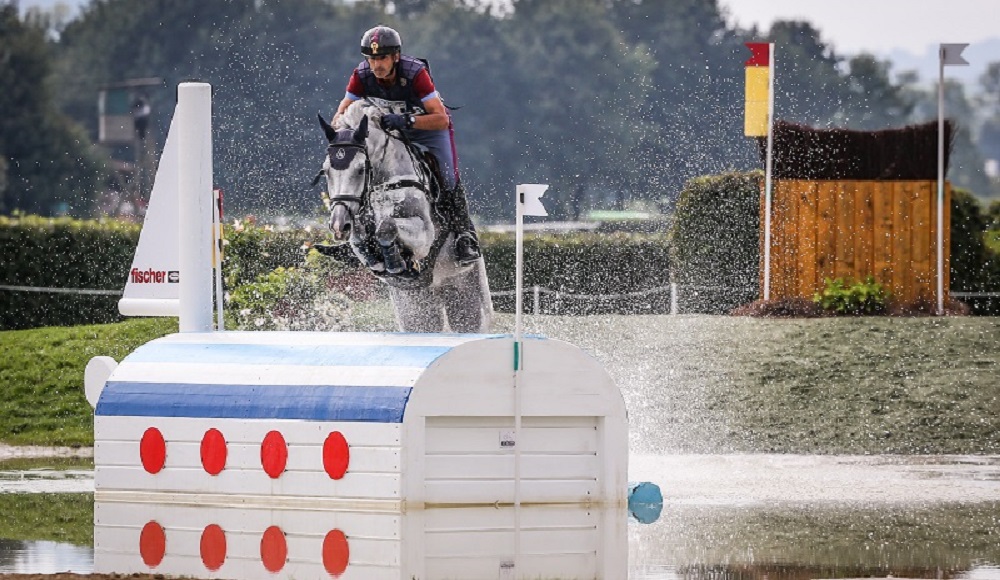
[(311, 454)]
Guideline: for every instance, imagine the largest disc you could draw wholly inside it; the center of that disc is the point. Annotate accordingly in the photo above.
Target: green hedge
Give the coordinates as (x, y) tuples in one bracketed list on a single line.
[(713, 242), (62, 253), (635, 267), (711, 252), (975, 266)]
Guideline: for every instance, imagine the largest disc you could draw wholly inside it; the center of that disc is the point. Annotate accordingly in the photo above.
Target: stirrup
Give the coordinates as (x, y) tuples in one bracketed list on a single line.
[(467, 249)]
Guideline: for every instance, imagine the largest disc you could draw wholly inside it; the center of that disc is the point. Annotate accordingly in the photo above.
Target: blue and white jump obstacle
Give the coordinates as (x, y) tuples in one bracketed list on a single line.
[(206, 439)]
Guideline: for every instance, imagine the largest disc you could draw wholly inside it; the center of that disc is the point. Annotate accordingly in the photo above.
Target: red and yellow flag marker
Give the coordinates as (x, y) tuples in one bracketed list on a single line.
[(758, 71)]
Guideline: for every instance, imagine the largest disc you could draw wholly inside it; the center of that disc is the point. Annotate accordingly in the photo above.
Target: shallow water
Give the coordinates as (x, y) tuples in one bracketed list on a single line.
[(724, 516), (44, 557)]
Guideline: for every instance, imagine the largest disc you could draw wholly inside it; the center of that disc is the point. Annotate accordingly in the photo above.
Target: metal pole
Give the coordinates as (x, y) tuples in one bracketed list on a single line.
[(518, 365), (940, 185), (767, 171)]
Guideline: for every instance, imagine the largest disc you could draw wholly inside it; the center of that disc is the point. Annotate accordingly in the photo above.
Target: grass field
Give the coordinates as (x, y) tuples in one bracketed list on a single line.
[(692, 384)]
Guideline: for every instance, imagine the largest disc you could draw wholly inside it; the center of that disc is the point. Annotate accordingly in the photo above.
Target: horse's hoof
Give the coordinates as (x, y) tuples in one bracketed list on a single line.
[(395, 268)]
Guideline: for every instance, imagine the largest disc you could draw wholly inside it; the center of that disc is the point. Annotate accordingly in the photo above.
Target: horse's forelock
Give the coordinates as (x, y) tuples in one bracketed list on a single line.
[(341, 157), (344, 136)]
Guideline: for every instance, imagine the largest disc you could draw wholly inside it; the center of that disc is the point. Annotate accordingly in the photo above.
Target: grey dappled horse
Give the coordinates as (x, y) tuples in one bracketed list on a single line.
[(380, 197)]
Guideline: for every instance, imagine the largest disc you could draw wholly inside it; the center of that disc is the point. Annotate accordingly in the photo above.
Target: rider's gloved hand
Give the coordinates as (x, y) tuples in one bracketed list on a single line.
[(396, 122)]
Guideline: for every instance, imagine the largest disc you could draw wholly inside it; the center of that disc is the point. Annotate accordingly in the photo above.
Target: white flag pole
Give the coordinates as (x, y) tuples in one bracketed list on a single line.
[(767, 171), (528, 202), (940, 185), (518, 362), (948, 55)]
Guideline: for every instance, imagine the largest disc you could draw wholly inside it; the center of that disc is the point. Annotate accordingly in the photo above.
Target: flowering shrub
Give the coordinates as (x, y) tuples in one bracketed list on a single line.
[(867, 297), (297, 298)]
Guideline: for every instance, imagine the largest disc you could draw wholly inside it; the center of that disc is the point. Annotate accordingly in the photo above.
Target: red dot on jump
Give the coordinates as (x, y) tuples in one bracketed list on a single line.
[(336, 455), (273, 549), (274, 454), (213, 451), (152, 544), (336, 553), (152, 450), (213, 547)]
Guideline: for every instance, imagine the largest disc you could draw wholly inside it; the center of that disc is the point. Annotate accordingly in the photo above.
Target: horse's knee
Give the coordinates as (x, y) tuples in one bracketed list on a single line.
[(387, 232)]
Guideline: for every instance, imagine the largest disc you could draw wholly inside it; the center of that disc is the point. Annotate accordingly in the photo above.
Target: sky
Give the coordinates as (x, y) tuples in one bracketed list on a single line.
[(878, 26), (906, 32)]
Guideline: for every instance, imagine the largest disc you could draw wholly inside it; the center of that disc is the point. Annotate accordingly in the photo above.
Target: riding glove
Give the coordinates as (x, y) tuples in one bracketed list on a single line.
[(395, 122)]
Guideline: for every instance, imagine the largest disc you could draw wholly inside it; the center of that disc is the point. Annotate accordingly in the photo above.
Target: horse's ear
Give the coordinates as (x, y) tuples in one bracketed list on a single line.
[(327, 129), (361, 133)]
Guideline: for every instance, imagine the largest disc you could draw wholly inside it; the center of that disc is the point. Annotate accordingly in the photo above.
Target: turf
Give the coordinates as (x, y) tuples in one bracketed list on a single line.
[(692, 384), (41, 371)]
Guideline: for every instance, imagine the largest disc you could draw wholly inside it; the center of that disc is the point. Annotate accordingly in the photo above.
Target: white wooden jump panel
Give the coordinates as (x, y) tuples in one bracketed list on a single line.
[(355, 434)]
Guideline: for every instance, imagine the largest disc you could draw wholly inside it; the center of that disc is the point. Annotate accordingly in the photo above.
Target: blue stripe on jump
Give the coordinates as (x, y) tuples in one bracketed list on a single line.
[(303, 402), (278, 354)]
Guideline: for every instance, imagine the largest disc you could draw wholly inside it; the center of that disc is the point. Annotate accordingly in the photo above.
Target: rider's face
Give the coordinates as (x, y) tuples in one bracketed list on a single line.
[(382, 65)]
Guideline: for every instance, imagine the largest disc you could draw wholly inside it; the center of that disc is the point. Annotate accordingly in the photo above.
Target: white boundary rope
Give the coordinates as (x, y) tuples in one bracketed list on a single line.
[(61, 290)]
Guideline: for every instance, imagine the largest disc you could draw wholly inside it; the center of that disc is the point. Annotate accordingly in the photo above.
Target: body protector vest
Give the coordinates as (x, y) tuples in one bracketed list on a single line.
[(401, 90)]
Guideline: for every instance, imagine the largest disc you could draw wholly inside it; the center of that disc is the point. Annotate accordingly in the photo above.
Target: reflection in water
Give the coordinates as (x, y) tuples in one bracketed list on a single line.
[(308, 541), (789, 542), (710, 542), (17, 557)]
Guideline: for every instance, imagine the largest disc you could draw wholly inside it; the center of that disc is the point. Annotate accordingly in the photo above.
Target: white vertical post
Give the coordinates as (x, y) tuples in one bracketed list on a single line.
[(767, 171), (194, 101), (673, 298), (537, 300), (940, 186), (518, 365), (948, 55), (527, 200)]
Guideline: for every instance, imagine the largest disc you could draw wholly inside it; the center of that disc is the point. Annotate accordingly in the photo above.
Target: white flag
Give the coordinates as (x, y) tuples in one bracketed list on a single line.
[(951, 55), (530, 197)]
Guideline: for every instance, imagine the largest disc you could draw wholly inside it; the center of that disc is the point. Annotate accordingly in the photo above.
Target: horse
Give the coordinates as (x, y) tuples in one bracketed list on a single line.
[(382, 195)]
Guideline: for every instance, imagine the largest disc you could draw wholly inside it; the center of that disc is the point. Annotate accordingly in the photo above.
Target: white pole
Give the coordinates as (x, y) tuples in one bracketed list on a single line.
[(767, 171), (194, 101), (518, 365), (940, 186)]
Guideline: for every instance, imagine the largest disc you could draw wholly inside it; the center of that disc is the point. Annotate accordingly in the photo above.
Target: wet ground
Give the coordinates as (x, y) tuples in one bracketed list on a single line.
[(742, 516)]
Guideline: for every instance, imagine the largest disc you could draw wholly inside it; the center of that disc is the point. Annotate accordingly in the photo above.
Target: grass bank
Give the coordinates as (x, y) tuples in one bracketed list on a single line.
[(713, 384), (692, 384), (41, 371)]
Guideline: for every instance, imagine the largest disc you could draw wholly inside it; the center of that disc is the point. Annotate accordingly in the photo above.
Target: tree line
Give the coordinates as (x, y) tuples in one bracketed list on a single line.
[(614, 103)]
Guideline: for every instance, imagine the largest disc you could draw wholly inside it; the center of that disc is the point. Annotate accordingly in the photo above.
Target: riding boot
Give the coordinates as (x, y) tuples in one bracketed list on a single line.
[(466, 241)]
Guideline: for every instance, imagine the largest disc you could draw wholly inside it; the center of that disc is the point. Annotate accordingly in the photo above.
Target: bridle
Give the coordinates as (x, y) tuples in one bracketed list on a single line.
[(362, 200), (343, 198)]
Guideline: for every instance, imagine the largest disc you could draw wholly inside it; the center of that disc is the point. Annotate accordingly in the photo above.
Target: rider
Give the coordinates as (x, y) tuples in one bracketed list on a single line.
[(388, 74)]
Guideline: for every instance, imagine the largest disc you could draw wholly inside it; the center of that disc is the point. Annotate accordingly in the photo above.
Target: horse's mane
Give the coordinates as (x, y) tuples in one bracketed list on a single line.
[(374, 108)]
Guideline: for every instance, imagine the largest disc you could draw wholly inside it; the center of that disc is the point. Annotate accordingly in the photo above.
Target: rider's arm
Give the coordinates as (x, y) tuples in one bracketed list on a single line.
[(436, 117)]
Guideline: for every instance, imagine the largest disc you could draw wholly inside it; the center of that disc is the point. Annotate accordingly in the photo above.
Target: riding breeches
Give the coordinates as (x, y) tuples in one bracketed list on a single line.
[(441, 144)]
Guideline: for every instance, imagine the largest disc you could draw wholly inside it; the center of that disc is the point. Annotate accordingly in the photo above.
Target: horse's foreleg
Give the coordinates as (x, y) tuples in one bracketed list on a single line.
[(387, 234)]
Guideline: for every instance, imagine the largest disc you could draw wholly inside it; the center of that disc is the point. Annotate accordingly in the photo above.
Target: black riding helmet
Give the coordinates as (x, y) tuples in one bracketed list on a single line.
[(380, 40)]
